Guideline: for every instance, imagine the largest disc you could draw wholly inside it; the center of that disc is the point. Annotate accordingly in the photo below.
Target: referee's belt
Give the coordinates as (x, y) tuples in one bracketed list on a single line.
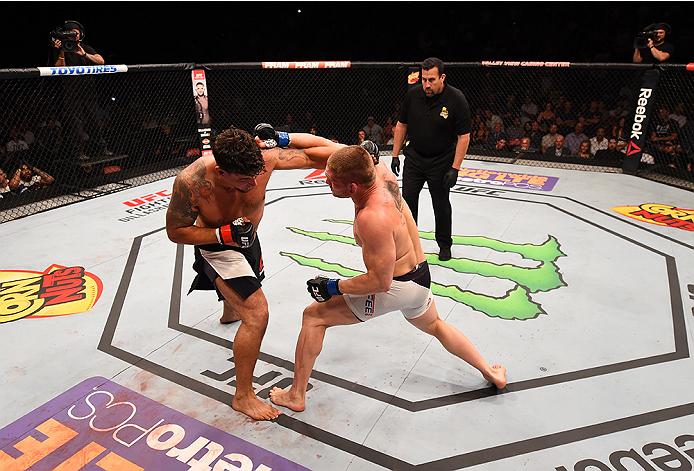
[(427, 155)]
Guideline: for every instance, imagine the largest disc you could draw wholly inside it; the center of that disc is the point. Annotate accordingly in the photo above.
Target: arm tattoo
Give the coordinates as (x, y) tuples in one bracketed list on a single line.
[(288, 155), (188, 188)]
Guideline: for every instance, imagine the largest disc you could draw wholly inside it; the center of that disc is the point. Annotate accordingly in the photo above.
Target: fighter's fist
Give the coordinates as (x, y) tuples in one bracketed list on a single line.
[(239, 232), (271, 138), (322, 288), (372, 149)]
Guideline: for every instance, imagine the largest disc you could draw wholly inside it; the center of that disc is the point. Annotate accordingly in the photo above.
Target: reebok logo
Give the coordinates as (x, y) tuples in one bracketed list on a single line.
[(640, 116)]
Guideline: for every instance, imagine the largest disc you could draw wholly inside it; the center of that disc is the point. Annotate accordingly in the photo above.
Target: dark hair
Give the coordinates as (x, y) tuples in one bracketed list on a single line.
[(235, 151), (432, 62)]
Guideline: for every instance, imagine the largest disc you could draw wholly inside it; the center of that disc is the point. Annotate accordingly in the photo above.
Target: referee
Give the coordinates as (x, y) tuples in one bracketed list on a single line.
[(437, 119)]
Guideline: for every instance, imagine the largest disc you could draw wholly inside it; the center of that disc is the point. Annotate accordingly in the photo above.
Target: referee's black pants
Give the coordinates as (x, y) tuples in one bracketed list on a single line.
[(416, 171)]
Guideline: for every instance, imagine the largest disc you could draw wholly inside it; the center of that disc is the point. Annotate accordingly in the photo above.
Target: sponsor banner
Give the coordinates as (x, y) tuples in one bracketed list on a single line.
[(146, 205), (99, 424), (660, 214), (202, 111), (527, 63), (308, 65), (57, 291), (82, 70), (507, 179), (642, 115)]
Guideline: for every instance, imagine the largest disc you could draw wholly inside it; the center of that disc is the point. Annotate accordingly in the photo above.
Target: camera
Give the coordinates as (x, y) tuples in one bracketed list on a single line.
[(641, 40), (67, 43)]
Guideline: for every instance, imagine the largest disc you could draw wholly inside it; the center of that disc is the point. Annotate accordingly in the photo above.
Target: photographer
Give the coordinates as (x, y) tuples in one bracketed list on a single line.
[(650, 46), (80, 97), (73, 52)]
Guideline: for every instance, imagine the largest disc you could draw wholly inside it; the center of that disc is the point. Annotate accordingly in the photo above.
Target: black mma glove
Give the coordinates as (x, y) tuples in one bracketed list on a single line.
[(240, 232), (371, 148), (270, 137), (322, 288), (450, 178), (395, 165)]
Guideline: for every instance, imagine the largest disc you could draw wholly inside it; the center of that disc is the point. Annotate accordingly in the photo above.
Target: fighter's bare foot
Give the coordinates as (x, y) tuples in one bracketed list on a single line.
[(282, 397), (255, 408), (497, 376), (229, 318)]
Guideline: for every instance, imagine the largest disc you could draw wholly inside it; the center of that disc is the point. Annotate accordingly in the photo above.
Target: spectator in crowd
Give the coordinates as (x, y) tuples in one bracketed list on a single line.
[(611, 118), (15, 144), (309, 122), (677, 115), (592, 117), (525, 147), (477, 118), (558, 149), (574, 139), (361, 137), (495, 135), (502, 146), (535, 135), (610, 154), (5, 189), (665, 129), (672, 159), (388, 130), (491, 120), (373, 131), (510, 111), (49, 137), (599, 142), (550, 138), (656, 49), (288, 125), (168, 147), (27, 178), (584, 150), (546, 118), (80, 94), (621, 133), (515, 130), (528, 112), (481, 135), (566, 118), (26, 134)]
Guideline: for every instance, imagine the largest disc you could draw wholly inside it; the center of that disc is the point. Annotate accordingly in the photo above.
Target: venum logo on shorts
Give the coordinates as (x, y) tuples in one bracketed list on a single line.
[(58, 291), (516, 304)]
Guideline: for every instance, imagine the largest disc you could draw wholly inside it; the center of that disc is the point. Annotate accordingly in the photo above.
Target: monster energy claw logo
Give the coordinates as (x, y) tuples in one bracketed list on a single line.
[(516, 304)]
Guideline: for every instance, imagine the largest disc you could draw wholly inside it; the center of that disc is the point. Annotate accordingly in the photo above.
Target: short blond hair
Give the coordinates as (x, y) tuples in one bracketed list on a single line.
[(353, 164)]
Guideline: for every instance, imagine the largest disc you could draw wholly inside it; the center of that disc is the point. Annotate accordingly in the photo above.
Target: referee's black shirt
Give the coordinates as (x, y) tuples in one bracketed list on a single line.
[(434, 124)]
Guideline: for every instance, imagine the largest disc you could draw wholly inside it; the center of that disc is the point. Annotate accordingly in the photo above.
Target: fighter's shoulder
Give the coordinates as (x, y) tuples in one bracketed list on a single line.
[(197, 168)]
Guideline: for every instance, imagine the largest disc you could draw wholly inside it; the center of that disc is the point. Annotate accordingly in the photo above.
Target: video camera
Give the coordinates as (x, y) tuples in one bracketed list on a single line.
[(67, 43), (649, 32), (641, 40)]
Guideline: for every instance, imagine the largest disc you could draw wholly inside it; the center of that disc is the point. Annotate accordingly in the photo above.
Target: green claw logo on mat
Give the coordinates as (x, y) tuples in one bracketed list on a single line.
[(517, 303)]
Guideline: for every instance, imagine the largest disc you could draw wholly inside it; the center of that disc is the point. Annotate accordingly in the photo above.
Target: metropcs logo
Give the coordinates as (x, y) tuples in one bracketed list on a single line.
[(58, 291), (660, 214)]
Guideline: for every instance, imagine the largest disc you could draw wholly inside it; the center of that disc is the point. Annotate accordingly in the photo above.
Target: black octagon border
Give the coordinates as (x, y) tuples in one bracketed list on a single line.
[(461, 461)]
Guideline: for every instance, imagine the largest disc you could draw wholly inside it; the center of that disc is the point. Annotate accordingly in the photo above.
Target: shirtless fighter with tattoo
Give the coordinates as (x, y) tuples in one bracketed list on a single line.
[(397, 275), (216, 205)]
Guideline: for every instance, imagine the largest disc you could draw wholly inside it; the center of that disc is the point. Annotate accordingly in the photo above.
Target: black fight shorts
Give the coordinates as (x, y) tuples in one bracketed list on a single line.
[(241, 269)]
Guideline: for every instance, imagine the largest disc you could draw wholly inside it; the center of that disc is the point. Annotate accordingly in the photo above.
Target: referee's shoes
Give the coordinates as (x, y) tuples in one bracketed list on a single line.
[(445, 254)]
